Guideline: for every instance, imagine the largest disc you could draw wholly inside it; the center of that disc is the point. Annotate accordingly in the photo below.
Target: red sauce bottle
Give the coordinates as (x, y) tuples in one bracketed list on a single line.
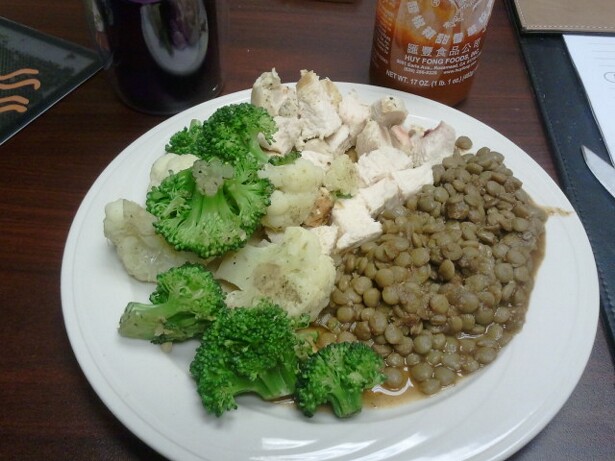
[(429, 47)]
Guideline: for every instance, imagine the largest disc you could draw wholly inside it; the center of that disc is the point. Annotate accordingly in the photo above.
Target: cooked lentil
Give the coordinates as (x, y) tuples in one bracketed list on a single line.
[(447, 284)]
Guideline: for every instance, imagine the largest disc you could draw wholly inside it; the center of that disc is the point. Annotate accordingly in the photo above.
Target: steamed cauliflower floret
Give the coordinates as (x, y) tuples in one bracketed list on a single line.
[(297, 188), (143, 253), (168, 163), (288, 209), (295, 273), (342, 176), (301, 175)]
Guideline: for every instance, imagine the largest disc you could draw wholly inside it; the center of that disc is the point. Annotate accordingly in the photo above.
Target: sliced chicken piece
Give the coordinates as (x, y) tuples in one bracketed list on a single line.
[(380, 163), (314, 144), (336, 144), (332, 90), (327, 236), (389, 111), (438, 143), (372, 137), (317, 109), (318, 158), (354, 113), (432, 145), (410, 181), (380, 195), (269, 93), (340, 141), (289, 129), (355, 223), (405, 138)]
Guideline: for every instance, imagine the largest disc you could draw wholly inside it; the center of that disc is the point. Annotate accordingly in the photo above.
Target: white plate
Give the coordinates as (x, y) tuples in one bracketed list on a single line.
[(489, 416)]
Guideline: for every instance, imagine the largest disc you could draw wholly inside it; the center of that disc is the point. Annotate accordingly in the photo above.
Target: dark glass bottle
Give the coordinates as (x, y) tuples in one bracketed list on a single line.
[(162, 56)]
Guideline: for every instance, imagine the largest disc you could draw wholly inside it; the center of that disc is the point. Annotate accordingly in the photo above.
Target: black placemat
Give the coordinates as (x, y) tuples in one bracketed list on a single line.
[(36, 71), (569, 123)]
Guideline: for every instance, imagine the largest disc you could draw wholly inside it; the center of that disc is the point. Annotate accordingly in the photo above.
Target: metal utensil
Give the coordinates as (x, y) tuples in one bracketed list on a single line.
[(601, 169)]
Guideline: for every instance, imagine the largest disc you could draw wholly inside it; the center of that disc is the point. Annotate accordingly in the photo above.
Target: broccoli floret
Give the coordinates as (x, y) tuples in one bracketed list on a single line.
[(247, 350), (186, 300), (210, 208), (185, 141), (289, 158), (232, 133), (338, 374)]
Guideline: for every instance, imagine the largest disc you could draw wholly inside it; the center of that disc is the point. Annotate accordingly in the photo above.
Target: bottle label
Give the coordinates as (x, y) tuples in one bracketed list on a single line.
[(428, 44)]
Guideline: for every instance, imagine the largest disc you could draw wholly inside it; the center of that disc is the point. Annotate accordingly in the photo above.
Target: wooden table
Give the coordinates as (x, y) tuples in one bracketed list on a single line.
[(47, 408)]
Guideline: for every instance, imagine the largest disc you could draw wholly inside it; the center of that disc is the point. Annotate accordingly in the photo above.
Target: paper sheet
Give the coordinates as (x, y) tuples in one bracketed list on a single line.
[(594, 59)]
